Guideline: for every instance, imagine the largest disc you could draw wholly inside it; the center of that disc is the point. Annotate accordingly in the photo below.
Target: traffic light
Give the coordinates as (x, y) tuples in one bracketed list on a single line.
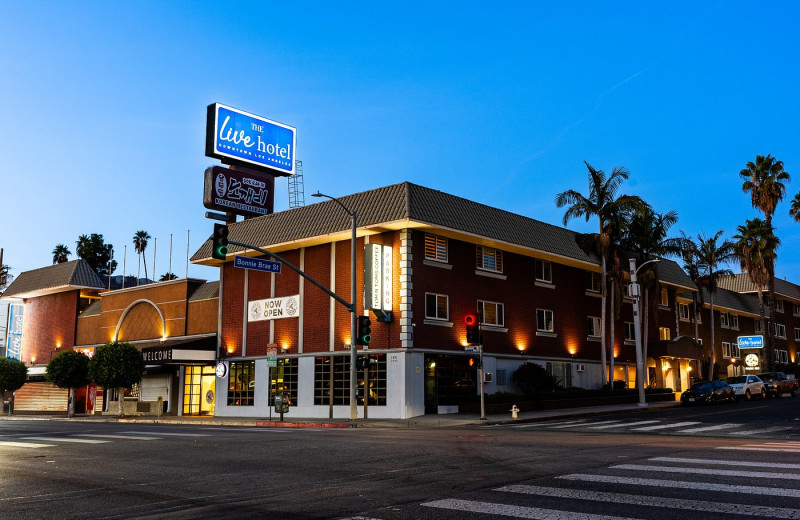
[(362, 362), (473, 335), (219, 248), (364, 333)]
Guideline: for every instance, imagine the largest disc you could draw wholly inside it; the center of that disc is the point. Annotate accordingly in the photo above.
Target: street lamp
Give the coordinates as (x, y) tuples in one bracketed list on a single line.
[(351, 308), (635, 292)]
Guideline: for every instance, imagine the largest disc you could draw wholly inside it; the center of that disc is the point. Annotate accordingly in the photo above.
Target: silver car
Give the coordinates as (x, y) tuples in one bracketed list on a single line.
[(747, 387)]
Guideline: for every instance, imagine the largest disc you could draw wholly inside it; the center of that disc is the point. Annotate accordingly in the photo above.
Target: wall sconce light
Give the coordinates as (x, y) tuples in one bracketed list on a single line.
[(522, 349), (285, 346)]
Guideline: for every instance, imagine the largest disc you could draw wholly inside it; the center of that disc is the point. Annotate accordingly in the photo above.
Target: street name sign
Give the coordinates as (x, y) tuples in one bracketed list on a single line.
[(257, 264)]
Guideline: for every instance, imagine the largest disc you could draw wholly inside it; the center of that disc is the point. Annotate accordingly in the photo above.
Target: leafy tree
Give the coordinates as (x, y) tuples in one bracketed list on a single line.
[(116, 365), (756, 243), (12, 376), (532, 379), (70, 370), (93, 249), (764, 180), (61, 254), (710, 256), (610, 209), (168, 276), (140, 239)]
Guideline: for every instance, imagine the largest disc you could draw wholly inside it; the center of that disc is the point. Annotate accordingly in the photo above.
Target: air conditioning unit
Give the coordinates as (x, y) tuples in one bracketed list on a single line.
[(487, 377), (580, 367)]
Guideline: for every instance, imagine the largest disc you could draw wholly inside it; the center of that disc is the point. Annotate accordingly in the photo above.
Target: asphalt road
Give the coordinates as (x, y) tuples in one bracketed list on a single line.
[(64, 470)]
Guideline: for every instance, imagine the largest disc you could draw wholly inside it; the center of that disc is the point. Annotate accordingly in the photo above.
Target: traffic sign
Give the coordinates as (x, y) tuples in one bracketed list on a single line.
[(257, 264), (472, 348), (272, 356)]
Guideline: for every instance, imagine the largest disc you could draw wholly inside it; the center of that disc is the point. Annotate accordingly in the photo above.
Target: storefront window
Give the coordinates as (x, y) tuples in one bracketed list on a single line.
[(242, 383), (283, 379)]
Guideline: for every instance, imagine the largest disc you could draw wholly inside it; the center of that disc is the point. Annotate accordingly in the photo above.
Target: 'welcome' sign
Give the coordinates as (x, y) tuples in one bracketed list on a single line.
[(246, 138)]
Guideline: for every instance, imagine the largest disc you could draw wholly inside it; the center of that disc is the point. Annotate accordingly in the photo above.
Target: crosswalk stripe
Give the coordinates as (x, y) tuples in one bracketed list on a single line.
[(644, 500), (710, 428), (548, 424), (515, 511), (697, 486), (739, 463), (760, 448), (626, 425), (65, 439), (572, 425), (131, 437), (702, 471), (665, 426), (15, 444), (171, 434), (761, 430)]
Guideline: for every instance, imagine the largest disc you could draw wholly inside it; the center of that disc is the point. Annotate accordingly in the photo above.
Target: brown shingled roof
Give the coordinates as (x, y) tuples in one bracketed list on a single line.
[(742, 284), (67, 276)]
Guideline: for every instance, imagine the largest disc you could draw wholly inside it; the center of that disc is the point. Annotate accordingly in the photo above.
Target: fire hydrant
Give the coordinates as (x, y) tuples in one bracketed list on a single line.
[(514, 411)]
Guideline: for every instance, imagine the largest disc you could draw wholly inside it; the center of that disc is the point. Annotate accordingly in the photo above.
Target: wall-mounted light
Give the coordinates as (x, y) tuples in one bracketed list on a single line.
[(285, 346), (522, 348)]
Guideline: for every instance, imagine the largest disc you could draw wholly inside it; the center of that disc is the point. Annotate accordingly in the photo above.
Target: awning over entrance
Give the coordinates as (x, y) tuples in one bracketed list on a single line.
[(180, 350), (680, 347)]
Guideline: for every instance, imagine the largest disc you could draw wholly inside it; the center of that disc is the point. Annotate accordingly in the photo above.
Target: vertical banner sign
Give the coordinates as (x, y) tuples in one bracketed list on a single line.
[(378, 277), (16, 315), (240, 137)]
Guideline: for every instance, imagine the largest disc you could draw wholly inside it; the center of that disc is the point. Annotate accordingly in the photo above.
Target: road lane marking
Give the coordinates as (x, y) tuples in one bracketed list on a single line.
[(14, 444), (66, 439), (715, 472), (644, 500), (515, 511), (584, 424), (677, 484), (172, 434), (740, 463), (762, 430), (665, 426), (132, 437), (637, 423), (710, 428)]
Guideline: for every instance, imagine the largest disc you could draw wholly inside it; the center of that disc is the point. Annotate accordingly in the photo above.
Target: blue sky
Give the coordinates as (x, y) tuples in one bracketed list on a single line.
[(104, 108)]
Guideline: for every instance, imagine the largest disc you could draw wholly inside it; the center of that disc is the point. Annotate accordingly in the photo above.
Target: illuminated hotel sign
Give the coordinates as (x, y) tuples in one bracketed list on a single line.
[(235, 136), (750, 342), (16, 316), (378, 277)]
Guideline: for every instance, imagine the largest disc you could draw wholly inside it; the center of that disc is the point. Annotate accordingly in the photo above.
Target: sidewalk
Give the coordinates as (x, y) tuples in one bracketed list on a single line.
[(423, 421)]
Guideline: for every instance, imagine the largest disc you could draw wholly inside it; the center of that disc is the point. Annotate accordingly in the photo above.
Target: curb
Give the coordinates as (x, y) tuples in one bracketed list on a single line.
[(278, 424)]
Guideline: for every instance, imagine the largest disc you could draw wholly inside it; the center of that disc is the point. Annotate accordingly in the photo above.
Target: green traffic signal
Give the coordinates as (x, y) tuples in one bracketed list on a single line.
[(364, 332), (219, 247)]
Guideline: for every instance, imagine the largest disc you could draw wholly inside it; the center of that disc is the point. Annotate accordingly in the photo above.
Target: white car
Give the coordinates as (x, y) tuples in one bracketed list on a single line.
[(747, 387)]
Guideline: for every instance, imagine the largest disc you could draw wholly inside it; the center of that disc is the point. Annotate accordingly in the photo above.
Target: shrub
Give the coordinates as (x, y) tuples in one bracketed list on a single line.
[(533, 379)]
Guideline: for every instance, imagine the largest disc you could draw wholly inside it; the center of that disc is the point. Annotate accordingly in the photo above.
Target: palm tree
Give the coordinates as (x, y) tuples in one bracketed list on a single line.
[(167, 276), (764, 180), (140, 239), (755, 244), (61, 254), (609, 208), (647, 237), (794, 211), (691, 264), (710, 256)]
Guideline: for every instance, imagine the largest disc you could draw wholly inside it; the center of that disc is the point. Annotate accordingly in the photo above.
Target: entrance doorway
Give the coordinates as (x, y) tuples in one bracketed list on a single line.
[(449, 380), (199, 390)]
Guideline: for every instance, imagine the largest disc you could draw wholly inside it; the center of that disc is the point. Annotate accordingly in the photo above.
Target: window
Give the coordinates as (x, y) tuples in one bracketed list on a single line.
[(630, 334), (779, 305), (663, 333), (283, 379), (723, 320), (730, 350), (489, 259), (781, 356), (734, 321), (796, 309), (593, 282), (436, 306), (544, 271), (683, 310), (757, 324), (797, 334), (492, 313), (544, 320), (664, 298), (561, 371), (242, 383), (501, 377), (332, 380), (594, 326), (780, 330), (435, 248)]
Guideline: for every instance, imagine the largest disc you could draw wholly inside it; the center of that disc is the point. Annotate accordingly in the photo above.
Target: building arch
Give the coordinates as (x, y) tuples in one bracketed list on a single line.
[(131, 307)]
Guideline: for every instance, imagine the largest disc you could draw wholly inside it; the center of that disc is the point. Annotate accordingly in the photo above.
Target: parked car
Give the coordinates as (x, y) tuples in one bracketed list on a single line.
[(778, 384), (747, 387), (708, 392)]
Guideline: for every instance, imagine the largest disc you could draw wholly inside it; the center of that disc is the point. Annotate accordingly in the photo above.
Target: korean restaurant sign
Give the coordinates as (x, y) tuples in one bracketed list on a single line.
[(241, 192), (233, 135), (274, 308), (378, 277)]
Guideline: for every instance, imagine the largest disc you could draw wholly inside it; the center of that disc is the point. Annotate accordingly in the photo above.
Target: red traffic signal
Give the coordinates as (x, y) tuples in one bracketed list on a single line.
[(473, 334)]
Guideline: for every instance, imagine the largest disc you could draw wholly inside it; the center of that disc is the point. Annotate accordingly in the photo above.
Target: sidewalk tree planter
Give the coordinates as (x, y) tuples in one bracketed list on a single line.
[(70, 370)]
